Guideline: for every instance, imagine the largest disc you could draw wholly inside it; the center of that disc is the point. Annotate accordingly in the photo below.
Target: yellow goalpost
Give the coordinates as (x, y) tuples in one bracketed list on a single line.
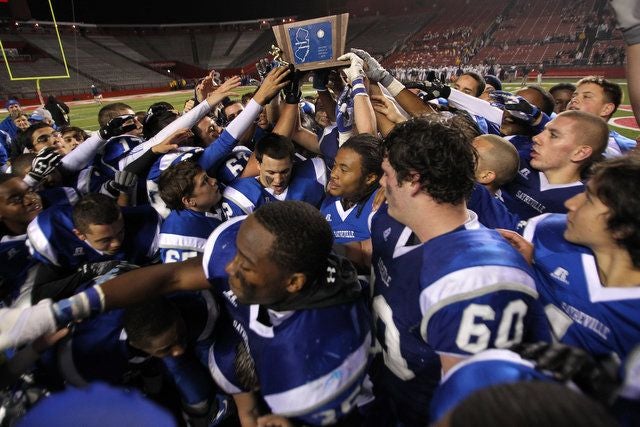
[(38, 78)]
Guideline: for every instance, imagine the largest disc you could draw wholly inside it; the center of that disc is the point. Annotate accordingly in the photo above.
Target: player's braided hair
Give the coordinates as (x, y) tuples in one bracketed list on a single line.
[(369, 149)]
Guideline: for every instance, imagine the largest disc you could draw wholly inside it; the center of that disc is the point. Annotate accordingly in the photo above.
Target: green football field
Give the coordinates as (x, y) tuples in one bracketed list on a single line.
[(84, 114)]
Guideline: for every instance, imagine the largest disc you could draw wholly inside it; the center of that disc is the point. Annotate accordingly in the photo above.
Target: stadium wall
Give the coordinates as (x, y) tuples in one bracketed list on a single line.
[(578, 72), (88, 96)]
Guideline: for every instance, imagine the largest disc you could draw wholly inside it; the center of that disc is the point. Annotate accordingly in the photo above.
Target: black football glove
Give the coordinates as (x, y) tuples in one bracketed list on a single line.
[(291, 91), (95, 269), (117, 126), (432, 90), (45, 162), (123, 182), (516, 105), (596, 378)]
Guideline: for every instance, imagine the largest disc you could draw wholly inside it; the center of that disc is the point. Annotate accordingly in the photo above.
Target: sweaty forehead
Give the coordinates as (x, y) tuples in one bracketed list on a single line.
[(254, 241), (12, 187)]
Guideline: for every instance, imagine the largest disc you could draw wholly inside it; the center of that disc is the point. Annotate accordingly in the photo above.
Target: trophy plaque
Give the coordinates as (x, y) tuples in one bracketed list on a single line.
[(314, 43)]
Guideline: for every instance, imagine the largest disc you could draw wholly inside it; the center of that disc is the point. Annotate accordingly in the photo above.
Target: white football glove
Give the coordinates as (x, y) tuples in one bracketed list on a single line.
[(22, 325), (356, 69)]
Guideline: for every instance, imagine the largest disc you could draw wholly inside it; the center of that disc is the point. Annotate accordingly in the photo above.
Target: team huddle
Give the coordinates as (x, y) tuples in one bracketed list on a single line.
[(376, 255)]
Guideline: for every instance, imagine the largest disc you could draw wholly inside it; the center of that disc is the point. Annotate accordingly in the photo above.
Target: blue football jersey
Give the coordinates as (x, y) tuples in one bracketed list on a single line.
[(582, 312), (233, 165), (174, 157), (15, 263), (310, 363), (52, 240), (16, 275), (485, 369), (114, 151), (523, 144), (617, 145), (87, 180), (307, 184), (530, 193), (351, 225), (184, 233), (491, 210), (59, 196), (473, 292)]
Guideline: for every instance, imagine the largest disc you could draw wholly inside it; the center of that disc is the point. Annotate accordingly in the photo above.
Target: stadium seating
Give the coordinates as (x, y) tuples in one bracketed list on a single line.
[(405, 33)]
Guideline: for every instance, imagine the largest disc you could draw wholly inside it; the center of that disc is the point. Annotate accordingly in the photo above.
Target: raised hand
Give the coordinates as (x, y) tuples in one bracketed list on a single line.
[(356, 69), (375, 71), (273, 82), (383, 105), (223, 91), (44, 163)]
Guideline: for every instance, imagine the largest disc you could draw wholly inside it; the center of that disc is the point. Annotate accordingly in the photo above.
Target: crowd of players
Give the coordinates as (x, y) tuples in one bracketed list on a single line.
[(378, 255)]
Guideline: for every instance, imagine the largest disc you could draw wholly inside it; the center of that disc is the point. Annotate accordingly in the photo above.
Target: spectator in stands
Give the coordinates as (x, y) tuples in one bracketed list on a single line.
[(7, 125), (470, 83), (44, 116), (562, 93), (602, 97), (540, 73), (59, 111), (97, 96), (21, 121)]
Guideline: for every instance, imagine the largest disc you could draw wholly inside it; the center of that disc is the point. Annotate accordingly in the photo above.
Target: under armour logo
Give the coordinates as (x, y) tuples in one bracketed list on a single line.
[(331, 271), (328, 217), (386, 233), (524, 172), (561, 274), (78, 251)]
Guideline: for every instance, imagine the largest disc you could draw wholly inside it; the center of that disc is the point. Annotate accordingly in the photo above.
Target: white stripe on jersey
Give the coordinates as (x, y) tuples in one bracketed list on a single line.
[(211, 241), (38, 242), (307, 397), (469, 283), (239, 199), (178, 241), (222, 381)]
